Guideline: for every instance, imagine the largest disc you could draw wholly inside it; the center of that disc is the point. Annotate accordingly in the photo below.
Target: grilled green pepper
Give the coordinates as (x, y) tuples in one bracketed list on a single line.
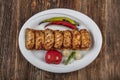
[(61, 19), (69, 58)]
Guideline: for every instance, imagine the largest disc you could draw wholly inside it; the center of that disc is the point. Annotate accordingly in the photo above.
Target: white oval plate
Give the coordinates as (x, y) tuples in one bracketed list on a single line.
[(36, 58)]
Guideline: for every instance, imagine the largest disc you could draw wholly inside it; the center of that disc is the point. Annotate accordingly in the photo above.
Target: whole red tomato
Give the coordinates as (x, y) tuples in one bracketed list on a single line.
[(53, 56)]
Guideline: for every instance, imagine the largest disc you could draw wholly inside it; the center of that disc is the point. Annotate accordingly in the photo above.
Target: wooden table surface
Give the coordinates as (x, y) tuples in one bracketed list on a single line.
[(13, 14)]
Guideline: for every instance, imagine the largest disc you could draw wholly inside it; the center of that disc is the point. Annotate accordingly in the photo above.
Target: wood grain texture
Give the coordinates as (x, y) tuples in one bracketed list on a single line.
[(13, 14)]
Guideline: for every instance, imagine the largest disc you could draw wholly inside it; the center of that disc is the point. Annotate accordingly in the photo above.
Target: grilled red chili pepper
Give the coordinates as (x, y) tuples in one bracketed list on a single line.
[(64, 23)]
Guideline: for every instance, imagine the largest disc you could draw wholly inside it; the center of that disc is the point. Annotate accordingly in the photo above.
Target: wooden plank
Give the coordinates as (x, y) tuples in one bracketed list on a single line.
[(13, 14), (113, 40)]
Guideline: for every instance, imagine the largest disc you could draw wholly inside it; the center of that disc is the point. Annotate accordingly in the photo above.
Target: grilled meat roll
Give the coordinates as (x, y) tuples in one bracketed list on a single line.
[(76, 39), (39, 39), (58, 39), (85, 38), (29, 38), (67, 41), (49, 39)]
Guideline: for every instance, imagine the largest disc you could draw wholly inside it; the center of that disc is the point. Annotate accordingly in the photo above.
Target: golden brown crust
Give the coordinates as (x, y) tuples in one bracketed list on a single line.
[(76, 39), (85, 38), (58, 39), (67, 39), (39, 39), (49, 39), (29, 38)]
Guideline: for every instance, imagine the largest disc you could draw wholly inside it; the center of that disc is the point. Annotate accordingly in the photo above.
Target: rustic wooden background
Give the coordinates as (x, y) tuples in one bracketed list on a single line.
[(13, 14)]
